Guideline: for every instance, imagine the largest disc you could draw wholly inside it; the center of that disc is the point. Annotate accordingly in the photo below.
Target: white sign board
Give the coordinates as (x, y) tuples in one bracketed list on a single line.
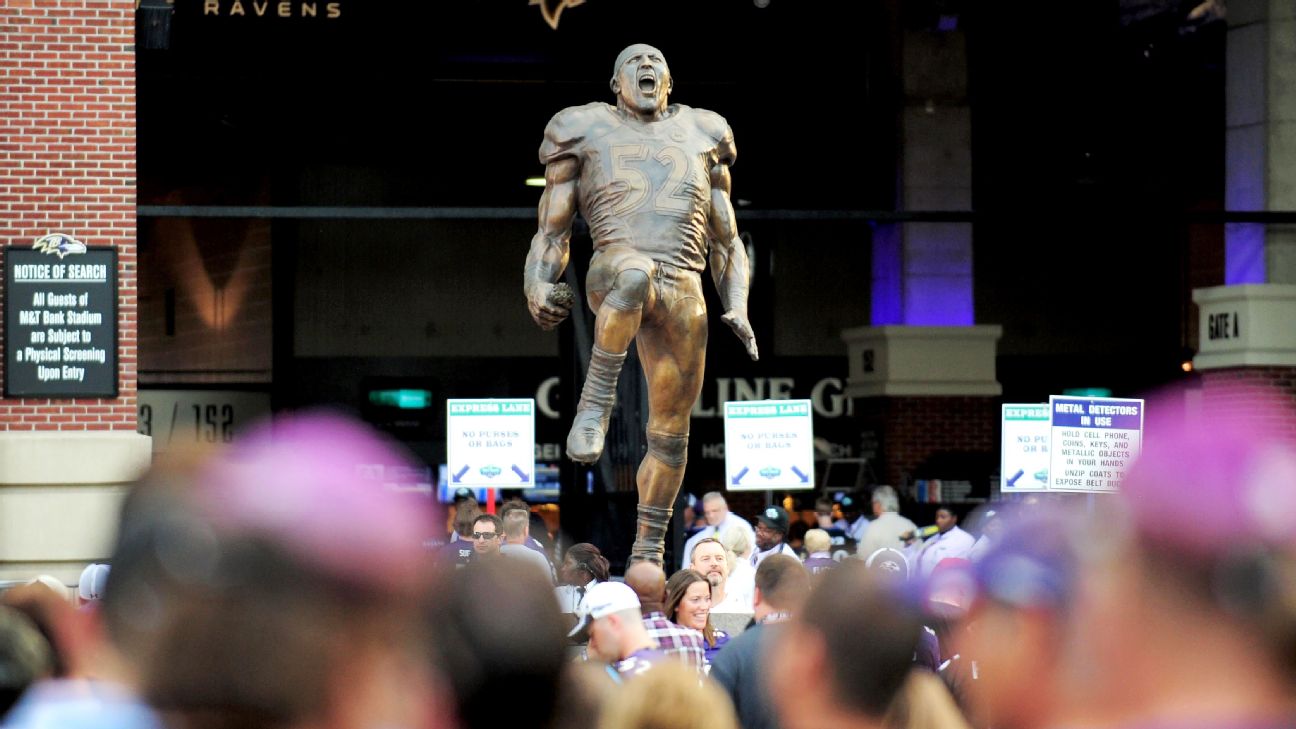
[(1024, 454), (769, 444), (491, 443), (1094, 440)]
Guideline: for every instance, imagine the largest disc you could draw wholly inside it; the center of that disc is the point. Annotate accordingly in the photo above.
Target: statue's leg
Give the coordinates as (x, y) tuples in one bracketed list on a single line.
[(672, 346), (620, 306)]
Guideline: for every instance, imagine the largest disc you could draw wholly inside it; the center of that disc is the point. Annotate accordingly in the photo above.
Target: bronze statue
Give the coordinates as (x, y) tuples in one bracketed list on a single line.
[(652, 182)]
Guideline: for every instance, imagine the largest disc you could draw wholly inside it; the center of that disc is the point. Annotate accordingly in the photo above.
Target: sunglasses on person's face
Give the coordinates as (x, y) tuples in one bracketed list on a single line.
[(484, 535)]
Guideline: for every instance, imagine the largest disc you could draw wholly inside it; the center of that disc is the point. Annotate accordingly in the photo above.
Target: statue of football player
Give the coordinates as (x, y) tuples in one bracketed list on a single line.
[(652, 181)]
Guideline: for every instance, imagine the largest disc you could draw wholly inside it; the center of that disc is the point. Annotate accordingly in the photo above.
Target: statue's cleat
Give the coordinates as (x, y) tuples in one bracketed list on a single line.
[(585, 441)]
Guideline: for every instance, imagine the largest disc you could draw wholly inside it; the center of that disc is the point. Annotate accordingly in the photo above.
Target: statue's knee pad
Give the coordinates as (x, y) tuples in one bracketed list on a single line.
[(669, 448), (629, 289)]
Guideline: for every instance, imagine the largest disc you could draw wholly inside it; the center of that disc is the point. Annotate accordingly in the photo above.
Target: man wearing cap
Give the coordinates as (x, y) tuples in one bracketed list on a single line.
[(610, 618), (771, 530), (854, 521), (1018, 626), (718, 519), (463, 500), (1186, 608), (230, 609), (950, 542)]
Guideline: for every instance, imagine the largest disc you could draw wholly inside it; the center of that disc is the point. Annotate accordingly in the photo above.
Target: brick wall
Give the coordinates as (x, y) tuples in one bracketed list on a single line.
[(912, 429), (1238, 393), (67, 138)]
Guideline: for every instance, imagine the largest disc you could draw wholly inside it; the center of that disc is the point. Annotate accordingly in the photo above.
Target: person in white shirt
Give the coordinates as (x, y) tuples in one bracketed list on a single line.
[(718, 518), (710, 558), (950, 541), (582, 568), (888, 529), (742, 576), (771, 530)]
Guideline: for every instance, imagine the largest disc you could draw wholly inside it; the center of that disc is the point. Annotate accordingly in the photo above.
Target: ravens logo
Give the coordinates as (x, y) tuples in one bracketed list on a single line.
[(59, 243)]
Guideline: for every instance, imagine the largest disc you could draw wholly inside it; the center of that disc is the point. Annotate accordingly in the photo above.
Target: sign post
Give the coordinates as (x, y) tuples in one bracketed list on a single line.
[(1024, 455), (1094, 441), (491, 443), (769, 444)]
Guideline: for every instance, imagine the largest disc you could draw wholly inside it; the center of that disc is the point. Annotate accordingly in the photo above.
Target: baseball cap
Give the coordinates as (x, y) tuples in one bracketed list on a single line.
[(774, 517), (600, 601), (1033, 563), (296, 481), (950, 587), (1205, 486), (889, 560), (94, 578), (463, 494)]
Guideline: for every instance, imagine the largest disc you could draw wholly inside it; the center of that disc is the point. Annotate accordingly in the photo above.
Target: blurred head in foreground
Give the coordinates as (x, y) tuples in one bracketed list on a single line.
[(272, 585), (1018, 628), (1187, 600), (821, 679), (669, 697), (497, 633)]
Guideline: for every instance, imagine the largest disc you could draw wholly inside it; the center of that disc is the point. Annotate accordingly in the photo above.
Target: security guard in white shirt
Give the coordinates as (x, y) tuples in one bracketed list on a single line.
[(949, 542)]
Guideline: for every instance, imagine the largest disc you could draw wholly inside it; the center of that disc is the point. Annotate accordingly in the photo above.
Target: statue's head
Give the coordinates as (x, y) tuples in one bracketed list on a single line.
[(641, 79)]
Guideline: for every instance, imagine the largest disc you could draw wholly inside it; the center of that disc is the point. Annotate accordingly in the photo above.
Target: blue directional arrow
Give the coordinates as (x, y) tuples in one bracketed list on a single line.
[(738, 478), (804, 478), (456, 478), (522, 474)]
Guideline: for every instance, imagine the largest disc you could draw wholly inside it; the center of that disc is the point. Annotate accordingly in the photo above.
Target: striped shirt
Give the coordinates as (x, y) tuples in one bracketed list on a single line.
[(674, 640)]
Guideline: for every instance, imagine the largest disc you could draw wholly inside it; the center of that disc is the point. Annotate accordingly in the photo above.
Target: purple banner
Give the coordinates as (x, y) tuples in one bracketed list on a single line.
[(1098, 412)]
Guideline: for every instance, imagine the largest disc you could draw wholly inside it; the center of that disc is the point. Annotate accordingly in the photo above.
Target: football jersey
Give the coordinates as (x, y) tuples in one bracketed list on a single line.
[(644, 185), (639, 662)]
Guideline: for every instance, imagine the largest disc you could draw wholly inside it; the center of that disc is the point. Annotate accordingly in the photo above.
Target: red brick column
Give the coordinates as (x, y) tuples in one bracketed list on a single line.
[(67, 138), (1246, 393), (911, 429)]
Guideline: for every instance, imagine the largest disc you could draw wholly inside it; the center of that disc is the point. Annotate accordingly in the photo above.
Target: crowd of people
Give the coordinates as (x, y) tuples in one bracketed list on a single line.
[(272, 585)]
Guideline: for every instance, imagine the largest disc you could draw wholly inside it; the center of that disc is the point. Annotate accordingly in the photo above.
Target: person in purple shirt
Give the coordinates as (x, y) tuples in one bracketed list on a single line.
[(458, 553), (610, 619), (818, 551)]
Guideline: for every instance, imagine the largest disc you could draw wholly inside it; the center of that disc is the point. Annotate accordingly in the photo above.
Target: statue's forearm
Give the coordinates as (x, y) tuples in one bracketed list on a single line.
[(550, 247), (546, 261), (729, 267), (730, 271)]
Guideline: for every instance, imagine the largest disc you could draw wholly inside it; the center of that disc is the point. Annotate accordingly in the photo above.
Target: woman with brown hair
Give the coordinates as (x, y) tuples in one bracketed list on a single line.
[(688, 603)]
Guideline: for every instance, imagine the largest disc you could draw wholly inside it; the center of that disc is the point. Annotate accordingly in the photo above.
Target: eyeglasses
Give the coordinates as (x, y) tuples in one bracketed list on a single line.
[(484, 535)]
